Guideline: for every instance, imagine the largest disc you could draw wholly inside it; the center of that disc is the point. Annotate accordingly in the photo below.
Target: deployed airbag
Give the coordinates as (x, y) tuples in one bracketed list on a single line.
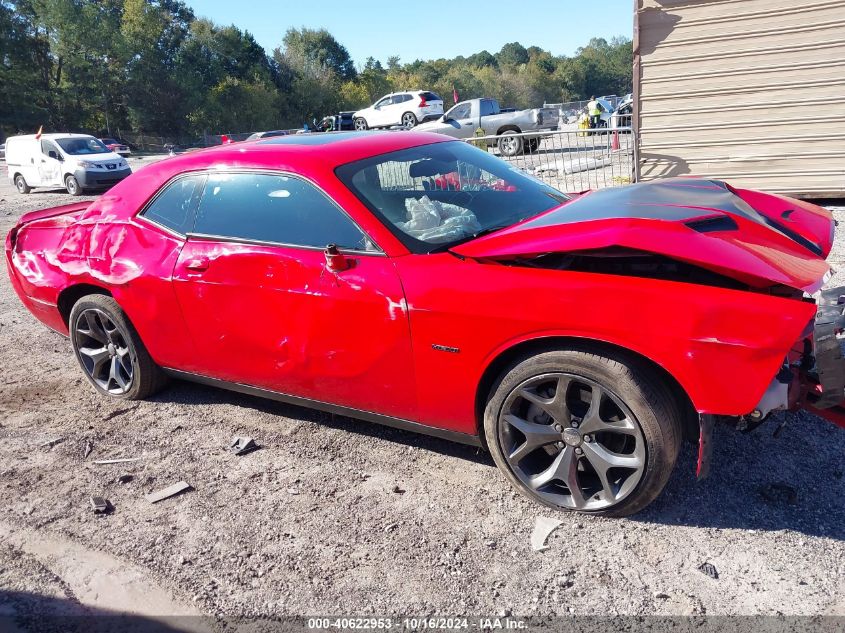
[(434, 221)]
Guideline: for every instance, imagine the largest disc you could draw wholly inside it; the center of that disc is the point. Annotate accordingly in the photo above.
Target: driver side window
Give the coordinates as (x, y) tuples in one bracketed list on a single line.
[(384, 102), (49, 146), (460, 112), (277, 209)]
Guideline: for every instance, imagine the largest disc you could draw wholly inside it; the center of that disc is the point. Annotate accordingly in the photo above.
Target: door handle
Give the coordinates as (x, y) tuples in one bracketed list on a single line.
[(197, 264)]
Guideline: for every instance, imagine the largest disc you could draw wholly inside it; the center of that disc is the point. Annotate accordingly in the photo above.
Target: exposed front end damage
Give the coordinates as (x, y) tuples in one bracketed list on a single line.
[(812, 377), (763, 251), (813, 374), (826, 384)]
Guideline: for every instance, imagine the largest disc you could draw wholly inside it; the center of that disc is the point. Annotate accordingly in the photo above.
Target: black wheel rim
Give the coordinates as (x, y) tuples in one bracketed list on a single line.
[(572, 442), (103, 351)]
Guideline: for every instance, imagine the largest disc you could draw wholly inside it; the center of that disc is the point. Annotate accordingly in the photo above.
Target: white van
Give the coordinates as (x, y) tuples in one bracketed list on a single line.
[(74, 161)]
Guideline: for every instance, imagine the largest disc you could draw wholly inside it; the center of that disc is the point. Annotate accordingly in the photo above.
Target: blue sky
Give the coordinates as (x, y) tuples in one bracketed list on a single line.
[(429, 30)]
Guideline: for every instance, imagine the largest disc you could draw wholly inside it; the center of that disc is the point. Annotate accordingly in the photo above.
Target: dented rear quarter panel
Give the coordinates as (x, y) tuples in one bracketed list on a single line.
[(100, 246)]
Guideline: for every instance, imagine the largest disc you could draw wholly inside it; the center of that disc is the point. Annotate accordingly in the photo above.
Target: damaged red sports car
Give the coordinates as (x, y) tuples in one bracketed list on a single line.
[(419, 282)]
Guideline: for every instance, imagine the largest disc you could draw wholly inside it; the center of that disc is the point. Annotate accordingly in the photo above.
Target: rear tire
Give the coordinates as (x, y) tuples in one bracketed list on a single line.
[(616, 455), (409, 120), (360, 124), (72, 186), (110, 352), (20, 184), (510, 144)]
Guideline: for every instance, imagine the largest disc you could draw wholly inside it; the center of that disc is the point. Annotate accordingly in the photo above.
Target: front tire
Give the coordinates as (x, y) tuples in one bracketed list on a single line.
[(20, 184), (110, 352), (72, 186), (361, 124), (580, 431)]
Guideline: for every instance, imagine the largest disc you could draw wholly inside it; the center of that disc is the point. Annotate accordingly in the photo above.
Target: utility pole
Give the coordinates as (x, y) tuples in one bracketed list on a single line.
[(106, 112)]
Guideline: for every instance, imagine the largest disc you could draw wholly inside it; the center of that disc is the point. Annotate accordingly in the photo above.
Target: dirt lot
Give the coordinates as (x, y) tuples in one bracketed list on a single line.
[(342, 517)]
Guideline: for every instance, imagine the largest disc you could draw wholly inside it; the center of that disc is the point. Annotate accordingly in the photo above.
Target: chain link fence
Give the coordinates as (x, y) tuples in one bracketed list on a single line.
[(574, 108), (570, 160)]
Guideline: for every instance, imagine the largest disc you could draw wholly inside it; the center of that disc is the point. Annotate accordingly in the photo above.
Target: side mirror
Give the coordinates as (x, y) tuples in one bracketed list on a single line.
[(335, 260), (52, 154)]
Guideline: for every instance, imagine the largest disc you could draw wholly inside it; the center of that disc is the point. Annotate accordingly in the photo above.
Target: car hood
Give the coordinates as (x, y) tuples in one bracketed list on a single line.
[(427, 124), (755, 238), (94, 158)]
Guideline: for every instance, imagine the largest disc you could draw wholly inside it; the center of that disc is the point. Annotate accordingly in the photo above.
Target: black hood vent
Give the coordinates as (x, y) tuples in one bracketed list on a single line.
[(714, 224)]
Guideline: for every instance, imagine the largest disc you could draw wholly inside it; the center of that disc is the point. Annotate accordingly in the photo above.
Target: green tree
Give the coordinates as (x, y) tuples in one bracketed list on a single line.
[(373, 79), (237, 105), (154, 35), (27, 72), (151, 66), (305, 48), (513, 54), (483, 59), (393, 63)]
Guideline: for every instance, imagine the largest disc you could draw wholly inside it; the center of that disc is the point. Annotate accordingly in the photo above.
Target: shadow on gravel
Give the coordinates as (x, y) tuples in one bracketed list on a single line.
[(791, 482), (22, 612), (187, 393), (758, 482)]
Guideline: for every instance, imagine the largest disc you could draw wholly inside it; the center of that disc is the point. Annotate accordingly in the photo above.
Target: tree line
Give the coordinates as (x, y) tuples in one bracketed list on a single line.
[(154, 67)]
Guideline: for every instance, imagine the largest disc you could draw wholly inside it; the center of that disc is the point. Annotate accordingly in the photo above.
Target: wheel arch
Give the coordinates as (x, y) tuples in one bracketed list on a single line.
[(71, 294), (525, 349), (508, 128)]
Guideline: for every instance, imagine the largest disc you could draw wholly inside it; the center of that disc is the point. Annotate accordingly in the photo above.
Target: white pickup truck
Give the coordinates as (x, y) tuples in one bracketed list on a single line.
[(466, 117)]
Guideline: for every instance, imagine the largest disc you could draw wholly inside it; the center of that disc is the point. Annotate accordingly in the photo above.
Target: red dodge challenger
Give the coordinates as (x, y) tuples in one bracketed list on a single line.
[(419, 282)]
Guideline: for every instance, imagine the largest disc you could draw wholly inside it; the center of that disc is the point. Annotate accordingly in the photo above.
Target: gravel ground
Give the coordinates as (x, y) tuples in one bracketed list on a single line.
[(338, 516)]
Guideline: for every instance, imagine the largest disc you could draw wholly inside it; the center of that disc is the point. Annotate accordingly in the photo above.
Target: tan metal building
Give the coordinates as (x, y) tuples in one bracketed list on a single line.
[(749, 91)]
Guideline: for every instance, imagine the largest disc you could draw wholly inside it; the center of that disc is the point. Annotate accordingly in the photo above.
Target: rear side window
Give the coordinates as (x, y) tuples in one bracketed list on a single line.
[(488, 107), (430, 96), (272, 208), (173, 207), (402, 98)]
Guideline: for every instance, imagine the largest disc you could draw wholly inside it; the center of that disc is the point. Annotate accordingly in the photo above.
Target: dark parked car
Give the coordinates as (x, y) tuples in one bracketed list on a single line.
[(116, 146), (270, 134)]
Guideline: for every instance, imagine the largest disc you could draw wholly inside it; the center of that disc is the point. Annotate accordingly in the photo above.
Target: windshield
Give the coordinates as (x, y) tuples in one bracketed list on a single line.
[(436, 196), (82, 145)]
